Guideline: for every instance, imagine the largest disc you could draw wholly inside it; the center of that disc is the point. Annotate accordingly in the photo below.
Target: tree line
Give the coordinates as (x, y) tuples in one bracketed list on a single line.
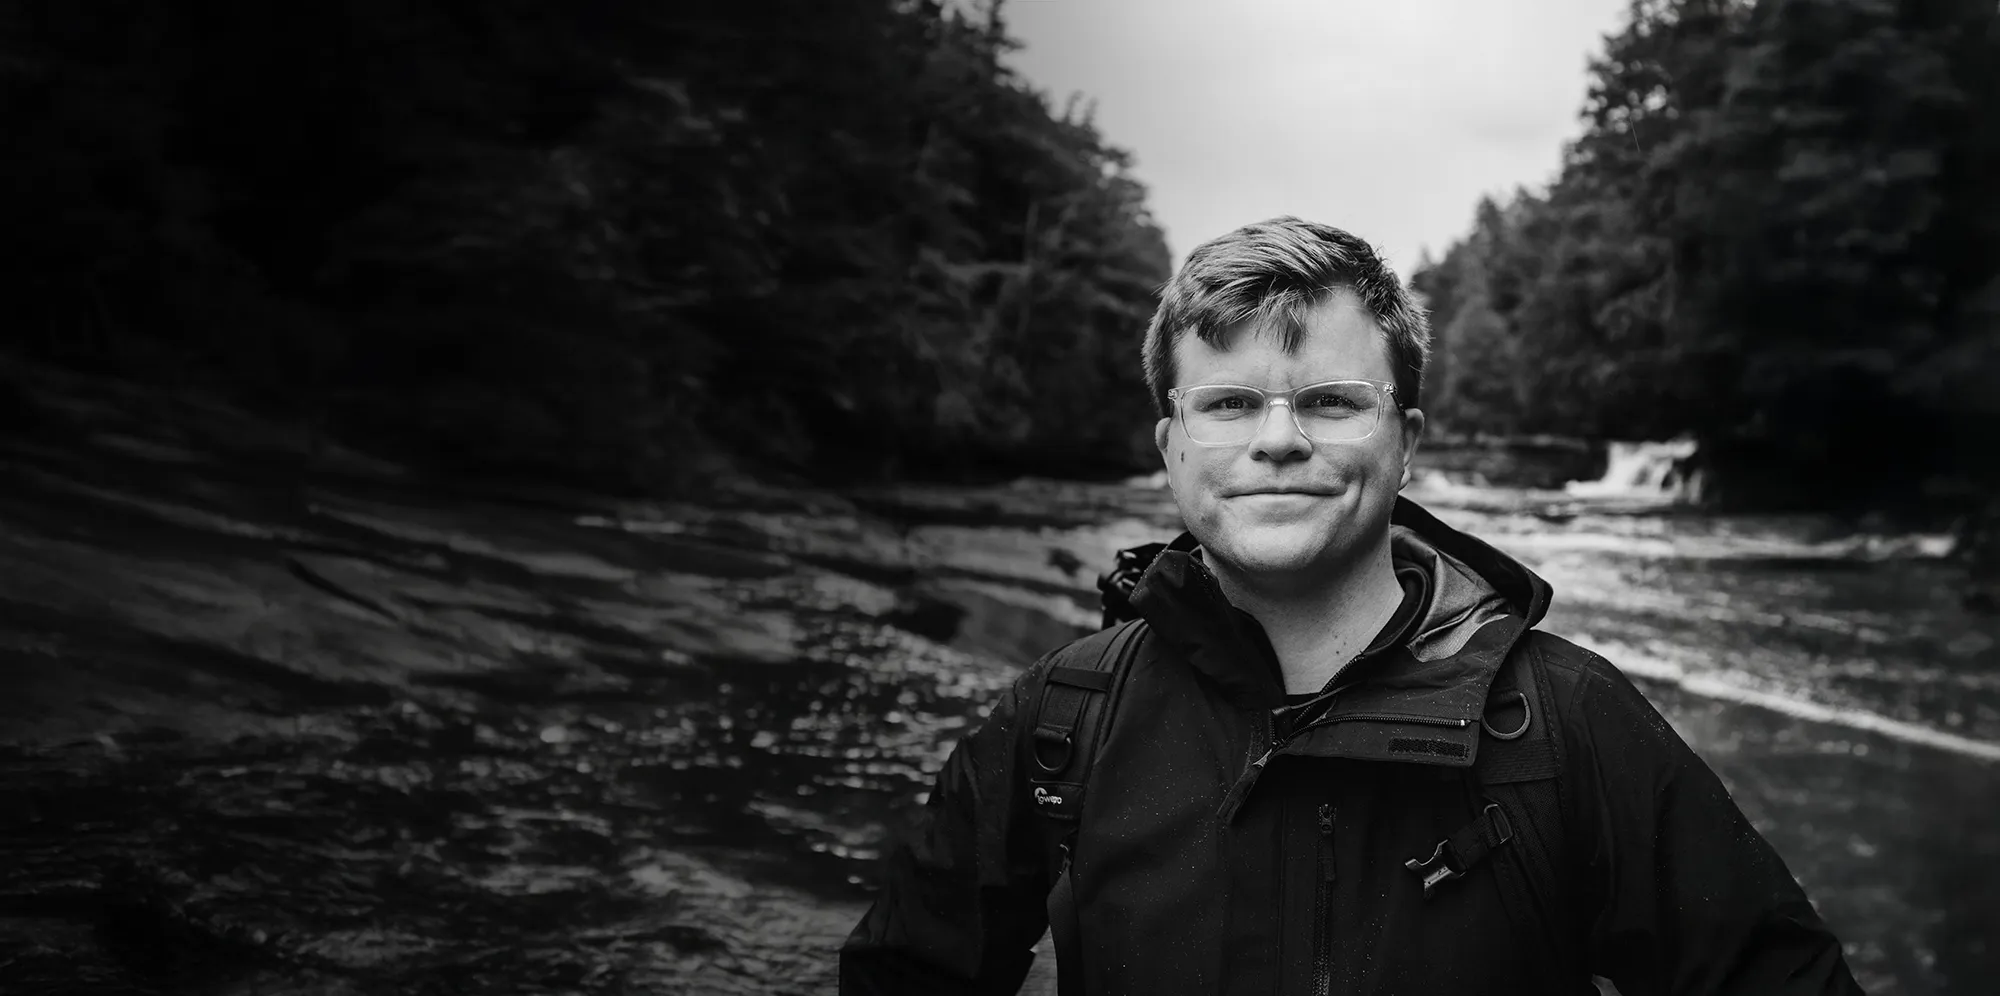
[(1779, 234), (610, 240), (599, 240)]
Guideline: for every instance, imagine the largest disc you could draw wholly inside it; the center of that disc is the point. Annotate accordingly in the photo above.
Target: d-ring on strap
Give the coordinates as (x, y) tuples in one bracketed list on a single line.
[(1527, 715), (1061, 711)]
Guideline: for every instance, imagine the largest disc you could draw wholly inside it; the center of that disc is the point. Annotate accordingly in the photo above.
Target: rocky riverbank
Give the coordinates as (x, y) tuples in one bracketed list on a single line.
[(283, 721)]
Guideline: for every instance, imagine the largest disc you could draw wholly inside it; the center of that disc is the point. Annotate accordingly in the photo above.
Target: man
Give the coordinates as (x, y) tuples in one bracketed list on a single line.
[(1287, 797)]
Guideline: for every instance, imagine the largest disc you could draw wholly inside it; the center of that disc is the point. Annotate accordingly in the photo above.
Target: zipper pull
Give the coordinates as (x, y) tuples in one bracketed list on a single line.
[(1241, 790), (1326, 841)]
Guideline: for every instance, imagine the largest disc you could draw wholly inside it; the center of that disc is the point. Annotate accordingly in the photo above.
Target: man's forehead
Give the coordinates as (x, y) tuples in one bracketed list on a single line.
[(1338, 333)]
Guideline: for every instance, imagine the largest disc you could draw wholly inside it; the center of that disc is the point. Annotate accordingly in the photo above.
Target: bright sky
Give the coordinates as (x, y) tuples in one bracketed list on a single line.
[(1388, 118)]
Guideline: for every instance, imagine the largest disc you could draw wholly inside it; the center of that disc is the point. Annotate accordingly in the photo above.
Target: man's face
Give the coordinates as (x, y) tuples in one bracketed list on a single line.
[(1284, 508)]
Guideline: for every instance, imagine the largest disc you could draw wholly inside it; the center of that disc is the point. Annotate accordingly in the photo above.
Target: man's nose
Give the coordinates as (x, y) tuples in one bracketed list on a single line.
[(1278, 437)]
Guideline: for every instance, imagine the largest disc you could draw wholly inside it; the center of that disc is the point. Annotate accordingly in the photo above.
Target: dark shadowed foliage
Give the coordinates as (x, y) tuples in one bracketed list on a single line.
[(603, 240)]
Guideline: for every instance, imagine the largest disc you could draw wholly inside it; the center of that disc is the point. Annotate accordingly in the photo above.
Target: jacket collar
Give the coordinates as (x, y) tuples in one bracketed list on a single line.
[(1419, 700)]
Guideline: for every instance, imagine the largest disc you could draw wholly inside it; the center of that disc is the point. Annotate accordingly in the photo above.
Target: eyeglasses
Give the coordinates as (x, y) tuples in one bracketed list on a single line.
[(1336, 411)]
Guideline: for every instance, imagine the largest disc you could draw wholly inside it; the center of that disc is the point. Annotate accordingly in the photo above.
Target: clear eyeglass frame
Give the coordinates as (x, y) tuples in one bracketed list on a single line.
[(1289, 399)]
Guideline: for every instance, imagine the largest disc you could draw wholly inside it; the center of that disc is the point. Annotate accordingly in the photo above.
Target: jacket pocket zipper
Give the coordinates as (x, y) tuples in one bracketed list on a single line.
[(1388, 717), (1365, 717), (1322, 901)]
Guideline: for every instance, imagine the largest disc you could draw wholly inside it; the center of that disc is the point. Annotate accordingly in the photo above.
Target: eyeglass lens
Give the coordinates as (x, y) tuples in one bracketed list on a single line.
[(1339, 411)]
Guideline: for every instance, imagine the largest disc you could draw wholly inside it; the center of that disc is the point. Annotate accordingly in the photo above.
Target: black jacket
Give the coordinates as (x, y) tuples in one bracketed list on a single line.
[(1221, 853)]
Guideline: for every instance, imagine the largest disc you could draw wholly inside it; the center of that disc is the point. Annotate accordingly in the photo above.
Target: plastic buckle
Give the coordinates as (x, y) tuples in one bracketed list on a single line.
[(1444, 872)]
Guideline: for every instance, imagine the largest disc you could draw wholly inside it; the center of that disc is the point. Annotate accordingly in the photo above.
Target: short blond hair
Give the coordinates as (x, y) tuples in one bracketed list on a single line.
[(1274, 272)]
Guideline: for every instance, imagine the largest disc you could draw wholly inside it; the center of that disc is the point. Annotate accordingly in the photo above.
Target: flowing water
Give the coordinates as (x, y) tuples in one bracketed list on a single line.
[(350, 735)]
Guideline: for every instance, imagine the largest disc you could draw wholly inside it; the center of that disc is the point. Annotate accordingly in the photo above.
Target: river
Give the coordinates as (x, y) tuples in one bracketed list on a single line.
[(348, 734)]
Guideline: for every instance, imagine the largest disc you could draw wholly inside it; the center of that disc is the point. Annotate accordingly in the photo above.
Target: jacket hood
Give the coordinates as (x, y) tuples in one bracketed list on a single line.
[(1479, 602)]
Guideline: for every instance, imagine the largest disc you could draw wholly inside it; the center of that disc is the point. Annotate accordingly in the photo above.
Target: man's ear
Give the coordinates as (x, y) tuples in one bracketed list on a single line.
[(1413, 433), (1161, 432)]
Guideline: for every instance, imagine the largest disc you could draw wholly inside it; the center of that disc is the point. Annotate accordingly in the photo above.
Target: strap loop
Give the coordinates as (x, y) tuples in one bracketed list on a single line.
[(1081, 677)]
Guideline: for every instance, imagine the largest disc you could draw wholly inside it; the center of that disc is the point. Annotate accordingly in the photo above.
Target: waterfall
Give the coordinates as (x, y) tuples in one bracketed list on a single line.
[(1655, 470)]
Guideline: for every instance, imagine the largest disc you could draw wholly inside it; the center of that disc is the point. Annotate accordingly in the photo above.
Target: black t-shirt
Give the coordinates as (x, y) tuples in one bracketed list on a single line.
[(1416, 591)]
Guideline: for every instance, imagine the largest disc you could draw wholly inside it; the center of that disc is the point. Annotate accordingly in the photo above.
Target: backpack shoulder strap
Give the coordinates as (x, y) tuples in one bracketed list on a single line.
[(1517, 778), (1517, 785), (1519, 768), (1078, 693)]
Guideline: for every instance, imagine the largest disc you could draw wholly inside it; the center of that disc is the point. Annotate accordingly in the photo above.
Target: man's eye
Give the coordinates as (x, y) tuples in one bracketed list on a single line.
[(1228, 404), (1338, 402)]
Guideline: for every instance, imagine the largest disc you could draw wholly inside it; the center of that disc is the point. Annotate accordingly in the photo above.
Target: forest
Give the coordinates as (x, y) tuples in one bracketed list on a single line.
[(1778, 234), (634, 245), (610, 242)]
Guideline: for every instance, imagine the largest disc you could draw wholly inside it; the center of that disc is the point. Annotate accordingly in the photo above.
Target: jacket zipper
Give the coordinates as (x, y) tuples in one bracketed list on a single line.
[(1322, 901)]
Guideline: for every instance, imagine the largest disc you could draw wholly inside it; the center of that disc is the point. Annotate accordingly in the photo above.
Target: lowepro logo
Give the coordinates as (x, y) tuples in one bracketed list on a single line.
[(1043, 797)]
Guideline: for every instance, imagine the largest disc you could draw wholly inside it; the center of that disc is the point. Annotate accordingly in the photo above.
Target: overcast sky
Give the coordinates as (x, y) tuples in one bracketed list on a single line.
[(1388, 118)]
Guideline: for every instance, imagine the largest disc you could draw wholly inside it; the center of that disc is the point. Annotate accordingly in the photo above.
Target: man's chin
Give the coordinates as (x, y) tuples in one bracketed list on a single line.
[(1274, 550)]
